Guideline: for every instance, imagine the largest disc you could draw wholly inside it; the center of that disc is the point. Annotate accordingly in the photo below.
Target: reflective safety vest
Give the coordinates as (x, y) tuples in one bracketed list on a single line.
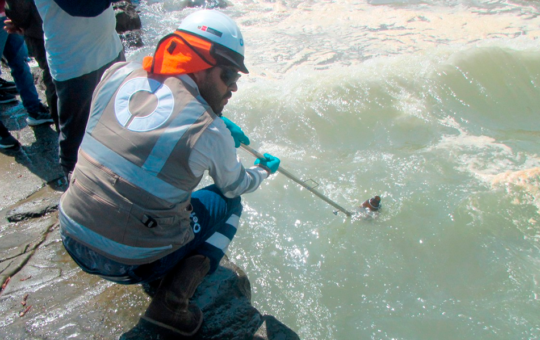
[(129, 195)]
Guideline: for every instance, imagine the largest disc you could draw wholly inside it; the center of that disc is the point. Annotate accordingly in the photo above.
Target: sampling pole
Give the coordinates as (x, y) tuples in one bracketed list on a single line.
[(299, 181)]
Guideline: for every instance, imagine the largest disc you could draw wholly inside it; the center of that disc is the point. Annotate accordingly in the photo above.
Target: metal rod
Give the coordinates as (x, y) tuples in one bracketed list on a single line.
[(299, 181)]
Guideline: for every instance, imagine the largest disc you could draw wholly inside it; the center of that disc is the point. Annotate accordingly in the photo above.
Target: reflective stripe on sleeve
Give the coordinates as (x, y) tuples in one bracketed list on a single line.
[(219, 241), (233, 221)]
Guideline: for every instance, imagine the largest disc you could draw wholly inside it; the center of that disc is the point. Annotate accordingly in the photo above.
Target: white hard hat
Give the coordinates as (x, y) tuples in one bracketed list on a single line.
[(221, 30)]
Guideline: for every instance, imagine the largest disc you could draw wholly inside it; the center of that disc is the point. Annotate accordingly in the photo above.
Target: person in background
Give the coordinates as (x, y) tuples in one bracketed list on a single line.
[(13, 49), (6, 139), (24, 19), (8, 89), (81, 43), (130, 214)]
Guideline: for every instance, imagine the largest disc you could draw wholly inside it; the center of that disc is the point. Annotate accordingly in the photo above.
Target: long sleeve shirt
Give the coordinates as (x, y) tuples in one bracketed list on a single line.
[(215, 152)]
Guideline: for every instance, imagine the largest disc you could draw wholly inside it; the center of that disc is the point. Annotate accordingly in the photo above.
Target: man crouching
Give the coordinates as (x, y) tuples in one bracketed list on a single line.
[(130, 214)]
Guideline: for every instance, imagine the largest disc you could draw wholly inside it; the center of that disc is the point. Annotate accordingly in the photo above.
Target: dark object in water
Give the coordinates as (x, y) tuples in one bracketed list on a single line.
[(372, 204)]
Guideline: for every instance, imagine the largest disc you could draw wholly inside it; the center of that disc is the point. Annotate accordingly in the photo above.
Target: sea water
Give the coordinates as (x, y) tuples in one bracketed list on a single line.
[(432, 105)]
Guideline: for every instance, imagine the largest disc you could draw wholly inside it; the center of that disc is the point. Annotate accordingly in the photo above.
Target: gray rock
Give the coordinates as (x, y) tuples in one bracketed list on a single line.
[(33, 209), (225, 299), (127, 18), (33, 263), (128, 24), (273, 329), (19, 244), (132, 38)]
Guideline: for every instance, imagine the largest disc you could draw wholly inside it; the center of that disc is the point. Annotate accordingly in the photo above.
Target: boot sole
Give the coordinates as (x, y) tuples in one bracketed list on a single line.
[(4, 147), (32, 122), (145, 319), (6, 101)]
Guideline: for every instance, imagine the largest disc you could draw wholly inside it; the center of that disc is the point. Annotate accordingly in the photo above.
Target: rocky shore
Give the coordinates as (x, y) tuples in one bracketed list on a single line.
[(44, 295)]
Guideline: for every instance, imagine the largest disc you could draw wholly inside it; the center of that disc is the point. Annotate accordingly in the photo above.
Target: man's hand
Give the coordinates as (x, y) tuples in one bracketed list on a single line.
[(11, 28), (269, 163), (237, 134)]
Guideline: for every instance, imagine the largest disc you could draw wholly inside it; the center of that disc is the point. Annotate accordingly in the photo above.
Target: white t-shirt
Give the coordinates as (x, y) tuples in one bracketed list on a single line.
[(77, 45)]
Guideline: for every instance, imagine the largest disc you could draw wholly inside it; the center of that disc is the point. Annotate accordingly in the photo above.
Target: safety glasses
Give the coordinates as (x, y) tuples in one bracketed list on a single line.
[(229, 76)]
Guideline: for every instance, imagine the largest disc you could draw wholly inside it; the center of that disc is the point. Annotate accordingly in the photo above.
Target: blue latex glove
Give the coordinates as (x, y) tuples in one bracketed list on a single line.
[(237, 134), (270, 163)]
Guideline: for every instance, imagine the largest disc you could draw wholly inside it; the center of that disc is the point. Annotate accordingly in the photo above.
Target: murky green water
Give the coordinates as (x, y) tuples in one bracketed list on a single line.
[(433, 107), (452, 150)]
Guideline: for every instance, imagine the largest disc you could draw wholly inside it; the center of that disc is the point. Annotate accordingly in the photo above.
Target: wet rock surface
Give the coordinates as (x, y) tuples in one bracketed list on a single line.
[(35, 208), (225, 299), (132, 38), (26, 169), (45, 295)]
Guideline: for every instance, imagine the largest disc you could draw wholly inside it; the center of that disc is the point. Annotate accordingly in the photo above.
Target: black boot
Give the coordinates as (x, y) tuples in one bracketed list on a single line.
[(170, 308)]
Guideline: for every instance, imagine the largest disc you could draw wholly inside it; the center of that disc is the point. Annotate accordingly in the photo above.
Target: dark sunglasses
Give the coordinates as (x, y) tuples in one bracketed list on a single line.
[(229, 76)]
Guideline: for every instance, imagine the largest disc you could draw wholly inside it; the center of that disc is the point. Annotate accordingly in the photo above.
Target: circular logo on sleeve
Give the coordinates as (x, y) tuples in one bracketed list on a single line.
[(143, 121)]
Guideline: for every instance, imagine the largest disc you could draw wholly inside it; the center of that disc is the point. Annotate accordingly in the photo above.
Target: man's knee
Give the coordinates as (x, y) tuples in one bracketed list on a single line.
[(230, 201), (235, 205)]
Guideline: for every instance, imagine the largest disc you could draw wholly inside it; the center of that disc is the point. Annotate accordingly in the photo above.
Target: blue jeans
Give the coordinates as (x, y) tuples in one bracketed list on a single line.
[(13, 48), (4, 132), (214, 221)]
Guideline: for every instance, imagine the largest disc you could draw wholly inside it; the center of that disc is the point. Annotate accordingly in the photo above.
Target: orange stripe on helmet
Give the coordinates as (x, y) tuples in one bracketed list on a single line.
[(180, 53)]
